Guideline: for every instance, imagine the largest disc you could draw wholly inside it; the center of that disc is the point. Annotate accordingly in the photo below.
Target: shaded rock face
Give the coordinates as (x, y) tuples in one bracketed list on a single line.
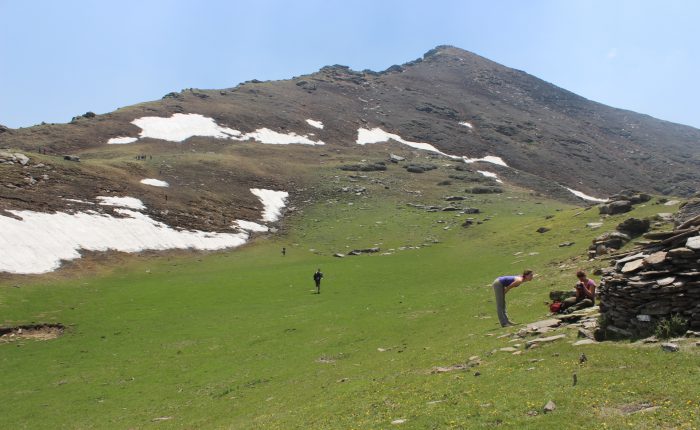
[(634, 226), (654, 282), (617, 207)]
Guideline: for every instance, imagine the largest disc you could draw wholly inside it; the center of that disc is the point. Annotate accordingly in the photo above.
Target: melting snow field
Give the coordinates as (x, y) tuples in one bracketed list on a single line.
[(270, 137), (490, 175), (155, 182), (122, 140), (314, 123), (377, 135), (273, 201), (38, 242), (585, 196), (123, 202), (466, 124), (488, 159), (250, 226), (181, 127)]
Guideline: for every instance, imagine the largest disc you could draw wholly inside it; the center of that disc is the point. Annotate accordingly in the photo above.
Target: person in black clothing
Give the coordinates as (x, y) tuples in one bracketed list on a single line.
[(317, 278)]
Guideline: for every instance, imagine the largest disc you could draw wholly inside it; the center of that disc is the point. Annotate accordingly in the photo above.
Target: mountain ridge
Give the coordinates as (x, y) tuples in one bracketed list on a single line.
[(458, 102)]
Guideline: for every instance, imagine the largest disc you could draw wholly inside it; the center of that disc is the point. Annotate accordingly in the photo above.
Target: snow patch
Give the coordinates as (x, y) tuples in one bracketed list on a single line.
[(377, 135), (122, 140), (314, 123), (79, 201), (180, 127), (123, 202), (250, 226), (585, 196), (488, 159), (270, 137), (38, 242), (155, 182), (490, 175), (466, 124), (273, 202)]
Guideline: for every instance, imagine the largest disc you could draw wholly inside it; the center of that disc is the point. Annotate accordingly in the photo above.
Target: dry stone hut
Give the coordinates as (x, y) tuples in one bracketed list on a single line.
[(655, 281)]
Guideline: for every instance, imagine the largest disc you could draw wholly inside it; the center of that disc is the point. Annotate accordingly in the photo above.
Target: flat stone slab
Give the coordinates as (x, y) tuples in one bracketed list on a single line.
[(633, 266), (666, 281), (543, 324), (631, 258), (655, 258), (585, 342), (693, 243), (541, 340)]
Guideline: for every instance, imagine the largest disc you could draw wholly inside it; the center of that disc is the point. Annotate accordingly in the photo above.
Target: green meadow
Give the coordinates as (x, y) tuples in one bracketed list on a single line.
[(239, 340)]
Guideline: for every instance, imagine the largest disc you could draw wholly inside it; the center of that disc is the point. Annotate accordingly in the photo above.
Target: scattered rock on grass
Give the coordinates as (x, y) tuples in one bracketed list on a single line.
[(549, 407), (670, 347)]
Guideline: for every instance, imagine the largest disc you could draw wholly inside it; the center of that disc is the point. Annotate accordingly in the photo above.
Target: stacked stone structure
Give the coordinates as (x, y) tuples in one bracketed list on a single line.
[(653, 282)]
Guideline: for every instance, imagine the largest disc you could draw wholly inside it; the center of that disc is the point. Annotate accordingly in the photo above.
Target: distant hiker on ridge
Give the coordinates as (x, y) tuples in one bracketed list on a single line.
[(317, 278), (501, 286)]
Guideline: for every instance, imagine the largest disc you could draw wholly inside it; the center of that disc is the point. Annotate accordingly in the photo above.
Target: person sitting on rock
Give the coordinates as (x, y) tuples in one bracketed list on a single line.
[(585, 294)]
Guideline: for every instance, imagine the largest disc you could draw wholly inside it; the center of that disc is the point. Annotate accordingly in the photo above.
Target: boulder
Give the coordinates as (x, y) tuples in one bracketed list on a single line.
[(670, 347), (634, 226), (616, 207), (21, 158), (543, 230)]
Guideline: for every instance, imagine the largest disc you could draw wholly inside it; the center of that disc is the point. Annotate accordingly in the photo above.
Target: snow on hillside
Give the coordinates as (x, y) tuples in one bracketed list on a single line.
[(270, 137), (585, 196), (154, 182), (314, 123), (122, 140), (490, 175), (250, 226), (273, 202), (377, 135), (181, 127), (36, 242), (488, 159), (123, 202)]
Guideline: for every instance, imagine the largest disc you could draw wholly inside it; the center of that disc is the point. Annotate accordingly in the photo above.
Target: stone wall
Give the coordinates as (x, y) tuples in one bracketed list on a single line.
[(653, 282)]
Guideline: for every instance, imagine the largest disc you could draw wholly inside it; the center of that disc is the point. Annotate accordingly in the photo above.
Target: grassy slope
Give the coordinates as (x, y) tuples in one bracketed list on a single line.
[(238, 340)]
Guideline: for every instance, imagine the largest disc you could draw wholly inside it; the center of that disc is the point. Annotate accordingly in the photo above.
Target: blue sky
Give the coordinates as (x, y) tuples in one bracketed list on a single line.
[(59, 59)]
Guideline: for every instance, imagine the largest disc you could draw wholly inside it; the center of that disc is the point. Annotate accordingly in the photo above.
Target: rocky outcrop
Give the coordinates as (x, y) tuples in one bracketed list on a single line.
[(623, 202), (654, 282), (11, 158)]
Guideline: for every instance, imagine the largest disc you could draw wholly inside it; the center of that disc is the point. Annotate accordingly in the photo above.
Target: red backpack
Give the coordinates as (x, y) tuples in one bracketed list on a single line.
[(555, 307)]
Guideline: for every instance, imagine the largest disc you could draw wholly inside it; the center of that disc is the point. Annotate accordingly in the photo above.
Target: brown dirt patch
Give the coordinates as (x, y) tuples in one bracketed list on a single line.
[(31, 332)]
